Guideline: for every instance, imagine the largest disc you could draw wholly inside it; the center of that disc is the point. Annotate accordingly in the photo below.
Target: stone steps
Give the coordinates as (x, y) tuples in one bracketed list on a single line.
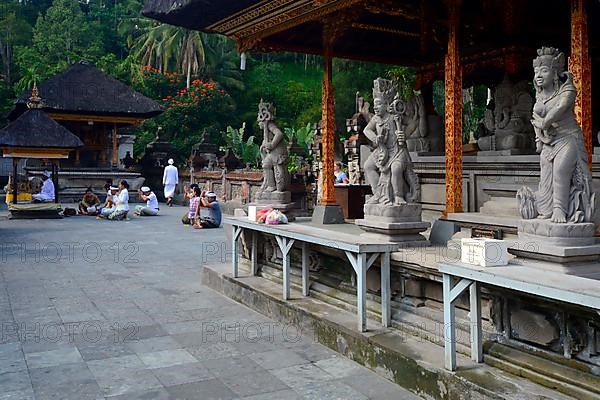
[(427, 323), (409, 361), (556, 375)]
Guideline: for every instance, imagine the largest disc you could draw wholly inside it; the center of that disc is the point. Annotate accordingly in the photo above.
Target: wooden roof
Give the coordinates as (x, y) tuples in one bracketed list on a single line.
[(34, 129), (402, 32), (84, 89)]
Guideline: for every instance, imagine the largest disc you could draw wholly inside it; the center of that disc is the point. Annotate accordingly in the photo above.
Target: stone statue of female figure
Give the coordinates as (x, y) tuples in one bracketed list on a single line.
[(564, 193)]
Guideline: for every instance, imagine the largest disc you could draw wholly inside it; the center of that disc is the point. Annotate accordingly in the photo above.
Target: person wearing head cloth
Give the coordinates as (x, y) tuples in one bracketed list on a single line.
[(213, 219), (110, 205), (47, 191), (121, 203), (90, 203), (151, 207), (170, 181)]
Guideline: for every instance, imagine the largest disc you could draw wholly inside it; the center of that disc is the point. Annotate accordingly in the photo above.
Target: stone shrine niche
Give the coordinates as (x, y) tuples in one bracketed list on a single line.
[(506, 127)]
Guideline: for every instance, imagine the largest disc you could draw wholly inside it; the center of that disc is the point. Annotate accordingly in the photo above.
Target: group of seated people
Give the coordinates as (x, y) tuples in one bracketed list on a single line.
[(199, 199), (116, 205)]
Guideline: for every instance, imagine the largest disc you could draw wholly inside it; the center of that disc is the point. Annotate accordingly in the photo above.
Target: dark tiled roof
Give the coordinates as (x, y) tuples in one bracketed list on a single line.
[(84, 89), (35, 129), (193, 14)]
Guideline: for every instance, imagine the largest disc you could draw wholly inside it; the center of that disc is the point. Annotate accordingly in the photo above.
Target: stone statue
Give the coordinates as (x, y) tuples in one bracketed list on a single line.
[(389, 169), (415, 121), (565, 188), (506, 122), (273, 152)]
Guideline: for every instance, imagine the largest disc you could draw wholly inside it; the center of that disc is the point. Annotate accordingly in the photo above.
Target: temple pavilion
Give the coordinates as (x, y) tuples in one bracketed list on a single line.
[(461, 43)]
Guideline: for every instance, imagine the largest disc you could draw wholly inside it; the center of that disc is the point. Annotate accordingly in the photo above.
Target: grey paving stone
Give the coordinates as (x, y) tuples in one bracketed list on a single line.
[(11, 358), (15, 381), (18, 395), (301, 375), (69, 381), (52, 358), (166, 358), (314, 352), (377, 388), (276, 359), (206, 390), (150, 345), (232, 366), (184, 373), (214, 351), (120, 375), (334, 390), (155, 394), (339, 367), (253, 383), (279, 395), (101, 351)]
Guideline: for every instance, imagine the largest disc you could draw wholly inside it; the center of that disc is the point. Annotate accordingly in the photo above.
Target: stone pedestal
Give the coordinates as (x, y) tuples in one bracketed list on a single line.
[(558, 247), (401, 224), (328, 214), (281, 201)]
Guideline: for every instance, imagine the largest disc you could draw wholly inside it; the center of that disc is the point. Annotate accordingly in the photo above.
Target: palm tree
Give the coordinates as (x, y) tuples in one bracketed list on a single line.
[(166, 47)]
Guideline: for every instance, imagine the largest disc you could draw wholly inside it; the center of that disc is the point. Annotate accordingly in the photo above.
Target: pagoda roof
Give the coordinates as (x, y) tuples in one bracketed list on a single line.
[(494, 33), (84, 89), (34, 129)]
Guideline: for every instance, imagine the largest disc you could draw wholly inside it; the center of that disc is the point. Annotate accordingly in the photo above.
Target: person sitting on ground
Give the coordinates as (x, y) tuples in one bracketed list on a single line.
[(213, 219), (121, 203), (188, 194), (151, 207), (340, 176), (193, 214), (46, 193), (90, 203), (109, 205)]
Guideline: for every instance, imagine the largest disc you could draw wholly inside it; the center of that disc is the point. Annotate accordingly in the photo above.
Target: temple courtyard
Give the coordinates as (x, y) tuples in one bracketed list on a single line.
[(116, 310)]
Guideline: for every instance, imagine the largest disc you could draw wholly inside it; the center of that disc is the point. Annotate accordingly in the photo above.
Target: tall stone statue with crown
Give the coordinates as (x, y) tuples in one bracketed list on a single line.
[(393, 210)]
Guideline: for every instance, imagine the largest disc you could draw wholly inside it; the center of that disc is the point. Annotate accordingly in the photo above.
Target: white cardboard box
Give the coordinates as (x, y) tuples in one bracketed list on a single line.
[(484, 252), (252, 213)]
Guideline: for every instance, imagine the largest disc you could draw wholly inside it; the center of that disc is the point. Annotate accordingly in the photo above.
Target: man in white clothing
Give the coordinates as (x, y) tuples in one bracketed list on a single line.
[(170, 181), (151, 203), (47, 192)]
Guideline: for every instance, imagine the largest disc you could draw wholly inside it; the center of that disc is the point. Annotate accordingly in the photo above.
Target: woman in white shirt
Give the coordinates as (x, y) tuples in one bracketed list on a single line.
[(121, 202), (151, 207)]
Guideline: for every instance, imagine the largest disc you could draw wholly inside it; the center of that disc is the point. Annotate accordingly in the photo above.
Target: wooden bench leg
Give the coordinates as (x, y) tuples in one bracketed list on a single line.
[(305, 276), (449, 331), (235, 250), (386, 311), (476, 334), (253, 256), (360, 266), (285, 245)]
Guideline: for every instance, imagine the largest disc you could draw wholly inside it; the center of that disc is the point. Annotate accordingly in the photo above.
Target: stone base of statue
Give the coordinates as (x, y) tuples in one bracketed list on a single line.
[(281, 201), (558, 247), (328, 214), (399, 224)]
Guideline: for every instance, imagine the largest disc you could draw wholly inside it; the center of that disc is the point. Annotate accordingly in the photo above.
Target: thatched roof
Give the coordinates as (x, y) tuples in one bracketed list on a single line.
[(84, 89), (35, 129)]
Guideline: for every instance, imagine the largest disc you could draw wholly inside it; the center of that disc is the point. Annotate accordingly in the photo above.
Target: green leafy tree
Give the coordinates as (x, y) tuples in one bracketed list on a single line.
[(14, 31), (64, 36), (244, 149)]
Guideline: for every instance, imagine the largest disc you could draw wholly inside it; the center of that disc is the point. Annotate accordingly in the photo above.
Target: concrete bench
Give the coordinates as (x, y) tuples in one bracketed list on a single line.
[(361, 252), (556, 286)]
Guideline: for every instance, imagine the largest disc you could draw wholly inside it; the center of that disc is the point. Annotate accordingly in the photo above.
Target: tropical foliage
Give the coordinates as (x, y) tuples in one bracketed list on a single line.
[(195, 76)]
